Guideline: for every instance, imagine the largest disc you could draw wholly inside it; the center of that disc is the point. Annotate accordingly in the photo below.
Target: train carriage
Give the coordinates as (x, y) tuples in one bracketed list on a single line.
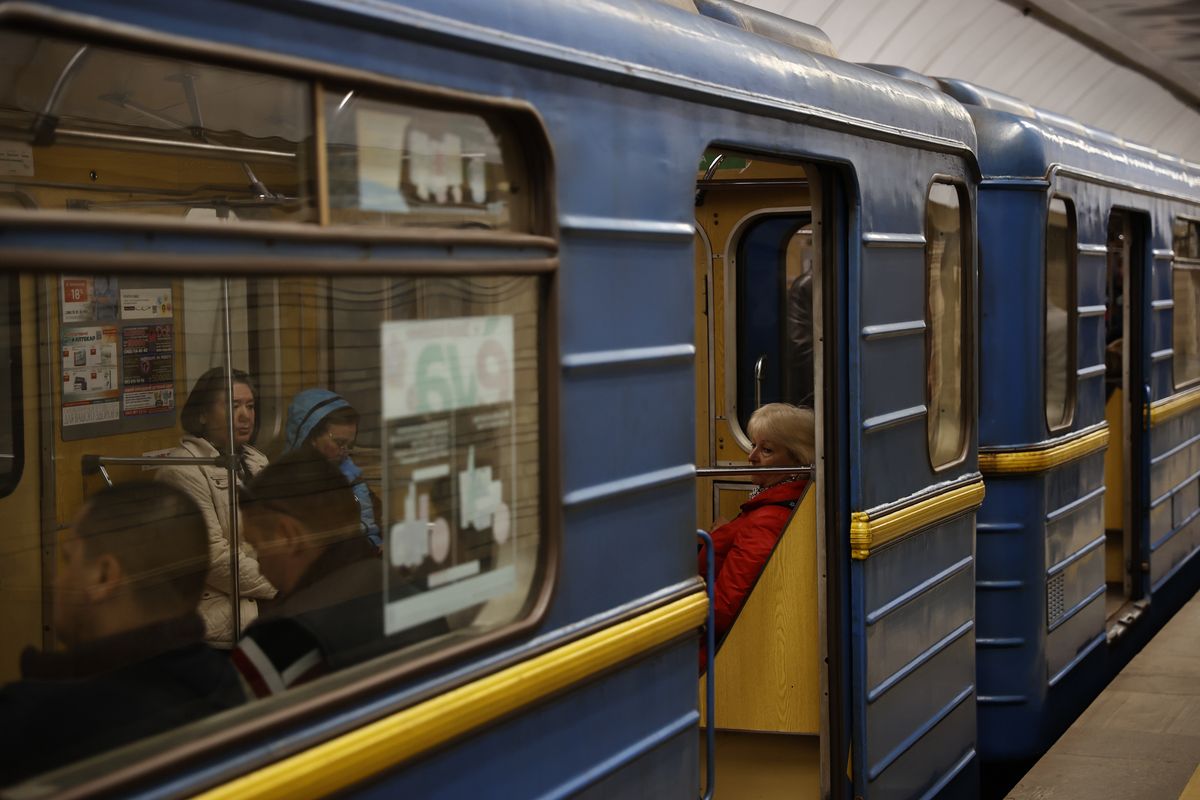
[(555, 255), (1091, 516), (312, 192)]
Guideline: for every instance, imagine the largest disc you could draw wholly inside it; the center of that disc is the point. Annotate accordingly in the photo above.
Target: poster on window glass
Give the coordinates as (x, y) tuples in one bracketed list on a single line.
[(88, 299), (90, 390), (449, 466)]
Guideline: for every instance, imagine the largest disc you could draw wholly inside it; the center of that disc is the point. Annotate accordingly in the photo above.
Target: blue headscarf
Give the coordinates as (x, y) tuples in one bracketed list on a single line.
[(306, 411)]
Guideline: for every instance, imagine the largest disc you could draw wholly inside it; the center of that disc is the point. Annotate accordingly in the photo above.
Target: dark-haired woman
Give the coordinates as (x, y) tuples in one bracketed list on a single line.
[(205, 419)]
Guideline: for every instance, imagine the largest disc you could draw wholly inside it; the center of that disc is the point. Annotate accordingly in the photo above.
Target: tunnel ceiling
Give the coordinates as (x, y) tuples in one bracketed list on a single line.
[(1129, 67)]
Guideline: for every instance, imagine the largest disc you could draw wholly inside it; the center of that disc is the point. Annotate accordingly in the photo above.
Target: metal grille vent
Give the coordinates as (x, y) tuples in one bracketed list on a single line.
[(1055, 598)]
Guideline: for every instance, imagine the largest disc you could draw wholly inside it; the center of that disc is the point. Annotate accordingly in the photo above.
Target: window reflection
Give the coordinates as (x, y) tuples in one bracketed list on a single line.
[(92, 128), (945, 310), (1186, 293), (401, 165), (395, 509), (1059, 366)]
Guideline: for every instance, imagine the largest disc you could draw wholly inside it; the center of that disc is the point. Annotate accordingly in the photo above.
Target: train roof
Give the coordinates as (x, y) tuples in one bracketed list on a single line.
[(738, 57), (1017, 140)]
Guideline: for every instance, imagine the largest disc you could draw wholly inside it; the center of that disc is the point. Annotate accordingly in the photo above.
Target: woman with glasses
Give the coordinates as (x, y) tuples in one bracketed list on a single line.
[(205, 419), (324, 423)]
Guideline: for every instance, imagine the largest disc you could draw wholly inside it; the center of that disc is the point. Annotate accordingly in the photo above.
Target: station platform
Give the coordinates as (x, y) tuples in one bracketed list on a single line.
[(1140, 739)]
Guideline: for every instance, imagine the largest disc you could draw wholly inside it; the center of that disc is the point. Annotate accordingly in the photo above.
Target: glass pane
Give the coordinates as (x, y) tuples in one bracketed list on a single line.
[(798, 345), (1186, 284), (1060, 312), (91, 128), (1187, 238), (10, 391), (774, 313), (947, 426), (393, 508), (395, 165)]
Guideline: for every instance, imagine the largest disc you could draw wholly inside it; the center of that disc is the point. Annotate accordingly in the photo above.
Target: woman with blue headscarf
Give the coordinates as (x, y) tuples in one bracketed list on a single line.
[(326, 423)]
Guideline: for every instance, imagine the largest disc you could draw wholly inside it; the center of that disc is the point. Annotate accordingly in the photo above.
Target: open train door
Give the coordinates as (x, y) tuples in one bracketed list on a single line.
[(1127, 528), (760, 253)]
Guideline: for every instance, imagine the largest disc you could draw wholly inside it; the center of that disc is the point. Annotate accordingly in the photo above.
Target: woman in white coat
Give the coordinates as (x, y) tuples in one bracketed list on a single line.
[(204, 418)]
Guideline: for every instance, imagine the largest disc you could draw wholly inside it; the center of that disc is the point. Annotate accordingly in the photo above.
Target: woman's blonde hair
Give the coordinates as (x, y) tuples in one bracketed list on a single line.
[(791, 427)]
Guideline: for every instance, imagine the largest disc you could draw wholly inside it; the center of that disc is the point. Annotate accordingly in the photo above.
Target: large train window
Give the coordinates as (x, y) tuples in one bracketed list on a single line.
[(93, 128), (1186, 284), (948, 341), (1060, 312), (774, 313), (305, 471), (396, 513), (11, 438)]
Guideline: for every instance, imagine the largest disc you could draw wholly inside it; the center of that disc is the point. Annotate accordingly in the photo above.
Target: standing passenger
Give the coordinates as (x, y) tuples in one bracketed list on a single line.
[(783, 436), (204, 418), (131, 570), (325, 423)]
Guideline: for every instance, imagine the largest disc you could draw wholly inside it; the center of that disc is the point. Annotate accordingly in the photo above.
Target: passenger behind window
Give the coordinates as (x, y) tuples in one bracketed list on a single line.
[(783, 436), (204, 419), (798, 379), (325, 423), (303, 519), (131, 571)]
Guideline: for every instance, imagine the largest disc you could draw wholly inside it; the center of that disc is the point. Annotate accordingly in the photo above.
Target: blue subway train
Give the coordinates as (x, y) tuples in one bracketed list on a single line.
[(552, 257)]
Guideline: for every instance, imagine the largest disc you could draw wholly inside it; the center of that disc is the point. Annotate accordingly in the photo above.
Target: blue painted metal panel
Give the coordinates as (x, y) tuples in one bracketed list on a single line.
[(917, 667), (541, 752)]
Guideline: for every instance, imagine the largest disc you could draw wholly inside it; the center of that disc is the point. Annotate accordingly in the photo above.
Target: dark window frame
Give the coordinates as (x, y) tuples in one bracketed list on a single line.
[(1070, 403), (967, 321), (12, 478), (1191, 264)]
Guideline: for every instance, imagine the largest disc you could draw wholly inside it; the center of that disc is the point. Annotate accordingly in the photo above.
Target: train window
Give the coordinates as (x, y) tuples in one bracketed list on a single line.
[(402, 165), (394, 515), (948, 340), (774, 313), (93, 128), (11, 422), (1060, 311), (1186, 279)]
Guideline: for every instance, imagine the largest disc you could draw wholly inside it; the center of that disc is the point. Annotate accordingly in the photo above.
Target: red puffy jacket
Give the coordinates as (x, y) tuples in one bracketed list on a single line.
[(741, 548)]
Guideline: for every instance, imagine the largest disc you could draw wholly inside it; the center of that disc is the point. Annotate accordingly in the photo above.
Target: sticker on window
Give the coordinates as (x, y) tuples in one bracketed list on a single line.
[(449, 466)]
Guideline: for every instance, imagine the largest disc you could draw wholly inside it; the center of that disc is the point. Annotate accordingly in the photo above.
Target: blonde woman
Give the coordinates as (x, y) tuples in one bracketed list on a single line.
[(782, 436)]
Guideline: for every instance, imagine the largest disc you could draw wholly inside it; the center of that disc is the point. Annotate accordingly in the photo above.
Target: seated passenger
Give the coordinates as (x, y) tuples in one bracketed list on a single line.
[(783, 436), (325, 423), (204, 419), (131, 571), (302, 518)]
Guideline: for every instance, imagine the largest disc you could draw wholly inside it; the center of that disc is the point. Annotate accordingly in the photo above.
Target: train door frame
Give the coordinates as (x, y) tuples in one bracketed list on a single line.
[(1131, 227), (829, 219)]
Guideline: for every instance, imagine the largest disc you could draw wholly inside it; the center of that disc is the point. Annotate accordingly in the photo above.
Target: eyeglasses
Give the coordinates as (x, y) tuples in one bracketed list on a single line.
[(340, 443)]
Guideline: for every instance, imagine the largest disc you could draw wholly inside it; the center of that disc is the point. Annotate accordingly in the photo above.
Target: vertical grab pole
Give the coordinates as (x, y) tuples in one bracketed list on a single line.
[(710, 647), (235, 592), (758, 379)]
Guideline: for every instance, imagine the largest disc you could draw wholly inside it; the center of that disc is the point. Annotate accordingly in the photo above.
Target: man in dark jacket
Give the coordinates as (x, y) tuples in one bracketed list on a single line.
[(131, 571), (301, 516)]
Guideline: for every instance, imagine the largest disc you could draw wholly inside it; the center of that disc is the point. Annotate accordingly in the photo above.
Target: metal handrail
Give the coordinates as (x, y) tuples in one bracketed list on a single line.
[(710, 659), (93, 464), (723, 472)]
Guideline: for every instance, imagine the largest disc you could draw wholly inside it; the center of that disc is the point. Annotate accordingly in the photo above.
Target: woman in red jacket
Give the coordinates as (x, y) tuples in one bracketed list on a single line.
[(783, 436)]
